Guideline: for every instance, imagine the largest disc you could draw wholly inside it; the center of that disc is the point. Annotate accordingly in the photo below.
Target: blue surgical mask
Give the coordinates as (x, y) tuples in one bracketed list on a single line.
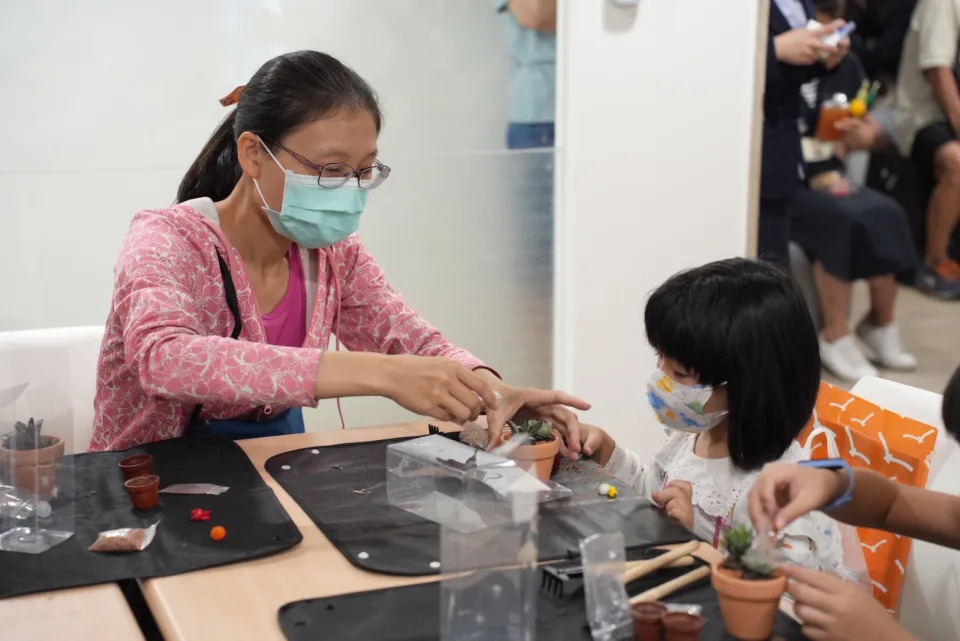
[(679, 406), (313, 216)]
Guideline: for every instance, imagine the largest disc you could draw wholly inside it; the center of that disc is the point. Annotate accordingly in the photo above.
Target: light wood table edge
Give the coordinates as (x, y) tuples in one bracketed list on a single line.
[(88, 613)]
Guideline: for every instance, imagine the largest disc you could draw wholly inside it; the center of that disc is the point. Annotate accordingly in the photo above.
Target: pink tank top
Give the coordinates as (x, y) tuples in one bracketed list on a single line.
[(286, 325)]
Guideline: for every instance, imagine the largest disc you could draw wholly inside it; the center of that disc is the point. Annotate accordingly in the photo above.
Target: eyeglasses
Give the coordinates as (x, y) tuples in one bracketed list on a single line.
[(337, 174)]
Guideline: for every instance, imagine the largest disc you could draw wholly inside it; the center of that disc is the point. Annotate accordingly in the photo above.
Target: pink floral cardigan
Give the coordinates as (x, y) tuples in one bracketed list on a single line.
[(167, 349)]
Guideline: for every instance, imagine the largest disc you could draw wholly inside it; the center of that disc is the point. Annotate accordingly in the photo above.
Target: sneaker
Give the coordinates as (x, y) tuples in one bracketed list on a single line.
[(844, 358), (941, 281), (885, 344)]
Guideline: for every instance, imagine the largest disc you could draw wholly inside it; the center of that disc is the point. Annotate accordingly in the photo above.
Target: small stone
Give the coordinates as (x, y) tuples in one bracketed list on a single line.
[(604, 489), (363, 556), (43, 509), (435, 565), (314, 451), (284, 467)]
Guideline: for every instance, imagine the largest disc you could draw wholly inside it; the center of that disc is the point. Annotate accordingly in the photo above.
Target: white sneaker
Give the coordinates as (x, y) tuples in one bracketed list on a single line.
[(844, 358), (885, 344)]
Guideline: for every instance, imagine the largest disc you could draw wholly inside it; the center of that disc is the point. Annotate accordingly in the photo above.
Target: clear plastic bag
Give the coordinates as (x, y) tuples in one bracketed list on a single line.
[(195, 488), (489, 588), (608, 607), (124, 539), (37, 481)]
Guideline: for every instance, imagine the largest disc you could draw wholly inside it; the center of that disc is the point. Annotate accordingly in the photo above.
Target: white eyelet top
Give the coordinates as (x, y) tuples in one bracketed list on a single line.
[(720, 501)]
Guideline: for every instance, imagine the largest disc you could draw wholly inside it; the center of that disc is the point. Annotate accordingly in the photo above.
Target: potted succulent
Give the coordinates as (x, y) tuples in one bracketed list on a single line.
[(31, 460), (748, 586), (538, 455)]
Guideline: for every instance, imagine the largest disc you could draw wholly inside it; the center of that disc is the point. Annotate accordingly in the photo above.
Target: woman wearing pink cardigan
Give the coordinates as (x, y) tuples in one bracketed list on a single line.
[(225, 303)]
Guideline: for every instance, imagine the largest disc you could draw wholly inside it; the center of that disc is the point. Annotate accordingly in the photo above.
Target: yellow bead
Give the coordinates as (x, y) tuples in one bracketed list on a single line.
[(612, 492)]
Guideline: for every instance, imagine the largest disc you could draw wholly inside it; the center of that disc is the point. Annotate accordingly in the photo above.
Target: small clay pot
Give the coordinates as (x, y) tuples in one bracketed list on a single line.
[(33, 472), (647, 621), (682, 626), (136, 465), (749, 608), (536, 458), (144, 491)]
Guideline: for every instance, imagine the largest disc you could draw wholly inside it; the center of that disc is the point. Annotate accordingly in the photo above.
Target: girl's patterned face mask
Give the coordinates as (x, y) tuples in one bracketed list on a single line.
[(680, 407)]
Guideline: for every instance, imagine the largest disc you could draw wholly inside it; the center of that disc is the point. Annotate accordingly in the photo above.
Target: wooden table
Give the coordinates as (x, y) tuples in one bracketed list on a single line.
[(241, 601), (95, 613)]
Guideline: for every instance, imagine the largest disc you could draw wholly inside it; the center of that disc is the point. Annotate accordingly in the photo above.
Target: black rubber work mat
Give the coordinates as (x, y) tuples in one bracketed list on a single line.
[(412, 614), (256, 523), (343, 490)]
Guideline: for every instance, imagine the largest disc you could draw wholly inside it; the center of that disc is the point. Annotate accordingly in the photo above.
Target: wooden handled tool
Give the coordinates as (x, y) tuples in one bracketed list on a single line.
[(668, 588), (644, 568)]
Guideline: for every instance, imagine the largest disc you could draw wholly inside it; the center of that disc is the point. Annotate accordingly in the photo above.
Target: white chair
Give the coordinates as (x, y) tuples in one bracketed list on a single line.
[(59, 368), (931, 588)]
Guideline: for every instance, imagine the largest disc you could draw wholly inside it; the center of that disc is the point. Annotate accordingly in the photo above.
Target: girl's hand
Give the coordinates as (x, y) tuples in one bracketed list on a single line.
[(595, 441), (524, 403), (786, 491), (830, 608), (676, 499)]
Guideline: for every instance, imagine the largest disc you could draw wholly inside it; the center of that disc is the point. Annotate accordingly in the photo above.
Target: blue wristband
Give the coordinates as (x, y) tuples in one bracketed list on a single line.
[(835, 464)]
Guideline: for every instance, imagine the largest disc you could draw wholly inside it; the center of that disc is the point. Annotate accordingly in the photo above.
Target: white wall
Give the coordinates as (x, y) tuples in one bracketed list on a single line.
[(106, 104), (655, 124)]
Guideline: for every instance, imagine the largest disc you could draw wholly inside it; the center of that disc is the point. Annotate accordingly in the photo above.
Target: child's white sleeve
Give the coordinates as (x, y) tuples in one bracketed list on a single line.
[(626, 466)]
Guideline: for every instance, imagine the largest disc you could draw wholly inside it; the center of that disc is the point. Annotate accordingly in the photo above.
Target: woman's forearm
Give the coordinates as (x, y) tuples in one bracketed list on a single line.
[(346, 374)]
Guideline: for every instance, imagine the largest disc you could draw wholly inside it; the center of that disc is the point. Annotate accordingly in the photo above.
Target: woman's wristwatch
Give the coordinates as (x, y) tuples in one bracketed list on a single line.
[(836, 464)]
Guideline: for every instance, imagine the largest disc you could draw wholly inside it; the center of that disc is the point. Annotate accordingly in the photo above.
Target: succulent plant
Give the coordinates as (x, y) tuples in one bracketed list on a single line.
[(540, 431), (738, 545), (25, 436)]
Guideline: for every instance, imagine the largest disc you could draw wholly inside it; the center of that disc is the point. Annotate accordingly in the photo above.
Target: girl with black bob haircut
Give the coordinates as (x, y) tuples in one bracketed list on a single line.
[(744, 326), (736, 381)]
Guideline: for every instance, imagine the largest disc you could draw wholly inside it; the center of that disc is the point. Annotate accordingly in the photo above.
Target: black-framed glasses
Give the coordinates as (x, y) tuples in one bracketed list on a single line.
[(337, 174)]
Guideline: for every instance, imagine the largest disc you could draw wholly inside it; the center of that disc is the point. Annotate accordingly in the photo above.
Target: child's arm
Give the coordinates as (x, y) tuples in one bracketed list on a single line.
[(785, 491), (617, 461)]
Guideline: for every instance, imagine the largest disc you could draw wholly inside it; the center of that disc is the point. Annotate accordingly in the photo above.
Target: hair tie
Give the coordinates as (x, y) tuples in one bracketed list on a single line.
[(232, 98)]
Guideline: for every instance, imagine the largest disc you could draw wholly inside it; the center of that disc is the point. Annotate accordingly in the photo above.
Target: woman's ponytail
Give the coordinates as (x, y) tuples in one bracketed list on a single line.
[(216, 171)]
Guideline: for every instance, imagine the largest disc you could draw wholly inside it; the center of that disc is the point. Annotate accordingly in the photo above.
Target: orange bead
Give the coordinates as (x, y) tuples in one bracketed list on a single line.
[(218, 532)]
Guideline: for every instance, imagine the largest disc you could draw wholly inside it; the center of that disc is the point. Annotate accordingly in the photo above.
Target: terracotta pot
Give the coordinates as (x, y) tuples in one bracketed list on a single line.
[(136, 465), (537, 458), (33, 472), (681, 626), (648, 621), (749, 608), (144, 491)]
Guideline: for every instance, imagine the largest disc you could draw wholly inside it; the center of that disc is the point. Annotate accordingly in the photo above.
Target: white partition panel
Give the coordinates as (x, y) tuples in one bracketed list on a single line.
[(658, 115)]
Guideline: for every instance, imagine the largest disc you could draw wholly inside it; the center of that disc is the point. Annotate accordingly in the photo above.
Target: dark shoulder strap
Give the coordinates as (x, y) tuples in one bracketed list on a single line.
[(230, 292)]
